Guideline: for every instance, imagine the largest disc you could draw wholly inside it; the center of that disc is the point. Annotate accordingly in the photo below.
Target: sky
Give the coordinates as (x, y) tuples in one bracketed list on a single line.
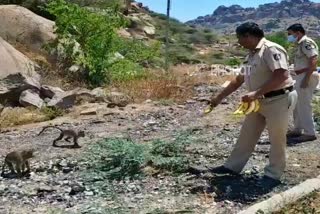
[(185, 10)]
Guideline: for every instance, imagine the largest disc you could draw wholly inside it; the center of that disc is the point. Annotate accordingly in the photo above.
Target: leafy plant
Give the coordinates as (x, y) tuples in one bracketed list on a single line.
[(233, 62), (279, 38), (117, 158), (88, 39), (52, 112)]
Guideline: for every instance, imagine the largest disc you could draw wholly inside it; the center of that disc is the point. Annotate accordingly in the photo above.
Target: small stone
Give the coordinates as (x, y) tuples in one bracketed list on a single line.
[(45, 188), (90, 111), (63, 163), (197, 169), (88, 193), (66, 170), (75, 189)]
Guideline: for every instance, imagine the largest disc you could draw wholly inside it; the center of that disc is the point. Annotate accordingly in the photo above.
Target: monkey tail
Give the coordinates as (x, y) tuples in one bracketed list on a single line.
[(49, 127)]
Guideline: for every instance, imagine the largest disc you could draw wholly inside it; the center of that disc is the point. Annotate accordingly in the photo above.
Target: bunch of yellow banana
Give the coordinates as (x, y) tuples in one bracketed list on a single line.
[(246, 108), (208, 109)]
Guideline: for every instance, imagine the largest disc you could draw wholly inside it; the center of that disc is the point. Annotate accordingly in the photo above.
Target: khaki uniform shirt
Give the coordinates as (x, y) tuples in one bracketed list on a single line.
[(260, 63), (306, 49)]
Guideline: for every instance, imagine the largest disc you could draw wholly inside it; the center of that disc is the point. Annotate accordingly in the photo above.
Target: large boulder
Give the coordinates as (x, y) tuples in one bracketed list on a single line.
[(68, 99), (19, 24), (17, 73), (31, 98), (118, 99), (48, 91)]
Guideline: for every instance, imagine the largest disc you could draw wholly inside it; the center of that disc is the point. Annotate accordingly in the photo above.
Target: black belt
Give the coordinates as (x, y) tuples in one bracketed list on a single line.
[(278, 92)]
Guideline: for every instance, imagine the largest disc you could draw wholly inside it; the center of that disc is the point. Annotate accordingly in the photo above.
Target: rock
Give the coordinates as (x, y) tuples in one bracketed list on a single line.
[(31, 98), (118, 99), (197, 169), (88, 193), (67, 170), (75, 189), (149, 30), (64, 100), (45, 188), (74, 68), (70, 98), (99, 93), (124, 33), (17, 73), (90, 111), (50, 91), (19, 24), (203, 99)]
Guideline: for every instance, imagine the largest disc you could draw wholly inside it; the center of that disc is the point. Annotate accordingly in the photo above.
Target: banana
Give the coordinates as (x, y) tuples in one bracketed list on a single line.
[(208, 110), (256, 109), (251, 107), (245, 106), (239, 109)]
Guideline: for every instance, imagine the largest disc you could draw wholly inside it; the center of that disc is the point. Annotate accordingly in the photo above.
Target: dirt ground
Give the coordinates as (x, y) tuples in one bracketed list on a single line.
[(56, 171)]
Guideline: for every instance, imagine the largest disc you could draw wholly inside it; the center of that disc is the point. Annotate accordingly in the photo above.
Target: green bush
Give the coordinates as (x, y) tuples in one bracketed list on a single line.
[(218, 55), (279, 38), (52, 112), (89, 39), (166, 149), (117, 158), (233, 62)]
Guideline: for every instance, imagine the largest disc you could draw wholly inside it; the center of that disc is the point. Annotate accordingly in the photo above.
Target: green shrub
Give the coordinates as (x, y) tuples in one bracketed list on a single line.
[(218, 55), (166, 149), (233, 62), (89, 39), (117, 158), (52, 112), (279, 38)]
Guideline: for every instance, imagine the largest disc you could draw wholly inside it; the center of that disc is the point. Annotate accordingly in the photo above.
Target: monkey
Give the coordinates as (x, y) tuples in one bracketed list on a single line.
[(19, 161), (69, 133)]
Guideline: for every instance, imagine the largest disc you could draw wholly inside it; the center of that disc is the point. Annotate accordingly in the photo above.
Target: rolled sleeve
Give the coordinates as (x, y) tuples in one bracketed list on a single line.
[(276, 59)]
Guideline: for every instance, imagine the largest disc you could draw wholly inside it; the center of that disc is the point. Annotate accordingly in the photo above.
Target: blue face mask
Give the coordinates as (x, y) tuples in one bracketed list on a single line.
[(292, 38)]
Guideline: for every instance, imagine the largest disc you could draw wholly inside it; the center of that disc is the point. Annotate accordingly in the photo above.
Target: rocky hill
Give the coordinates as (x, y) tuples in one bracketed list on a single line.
[(272, 17)]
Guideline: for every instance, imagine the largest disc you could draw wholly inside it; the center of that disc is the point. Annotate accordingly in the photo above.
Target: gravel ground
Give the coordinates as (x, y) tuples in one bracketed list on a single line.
[(56, 184)]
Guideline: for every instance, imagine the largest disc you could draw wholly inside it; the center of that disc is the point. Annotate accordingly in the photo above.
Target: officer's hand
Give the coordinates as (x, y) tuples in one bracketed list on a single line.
[(215, 101), (304, 83), (249, 96)]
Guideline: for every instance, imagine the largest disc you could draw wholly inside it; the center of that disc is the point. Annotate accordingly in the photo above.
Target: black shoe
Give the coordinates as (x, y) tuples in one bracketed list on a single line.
[(222, 170), (267, 182)]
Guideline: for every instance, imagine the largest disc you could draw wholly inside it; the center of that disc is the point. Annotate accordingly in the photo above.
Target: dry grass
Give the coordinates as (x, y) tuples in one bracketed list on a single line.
[(50, 73), (309, 204), (19, 116), (175, 85)]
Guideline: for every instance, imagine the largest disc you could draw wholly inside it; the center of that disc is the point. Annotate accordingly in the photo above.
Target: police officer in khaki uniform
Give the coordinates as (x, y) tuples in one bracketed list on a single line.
[(307, 79), (267, 79)]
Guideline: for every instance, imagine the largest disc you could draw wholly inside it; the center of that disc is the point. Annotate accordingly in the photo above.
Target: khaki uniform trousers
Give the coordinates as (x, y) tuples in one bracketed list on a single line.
[(302, 114), (273, 114)]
